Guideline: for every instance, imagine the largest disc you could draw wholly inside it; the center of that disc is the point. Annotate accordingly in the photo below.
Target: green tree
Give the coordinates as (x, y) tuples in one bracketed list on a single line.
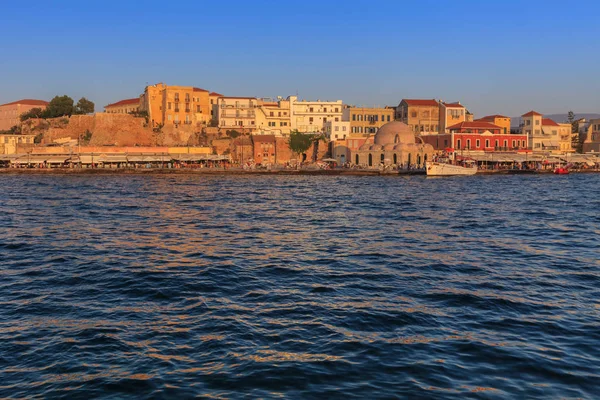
[(316, 139), (571, 116), (232, 133), (33, 113), (84, 106), (59, 106), (299, 143)]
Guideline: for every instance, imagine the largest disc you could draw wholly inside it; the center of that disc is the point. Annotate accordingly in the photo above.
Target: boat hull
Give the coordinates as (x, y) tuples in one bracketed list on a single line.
[(443, 169)]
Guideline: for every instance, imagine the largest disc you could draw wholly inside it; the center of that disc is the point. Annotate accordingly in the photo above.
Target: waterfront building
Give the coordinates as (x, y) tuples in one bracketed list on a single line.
[(591, 140), (364, 120), (542, 133), (10, 113), (395, 143), (476, 136), (237, 113), (11, 143), (499, 120), (311, 116), (265, 152), (565, 137), (450, 114), (337, 130), (126, 106), (178, 106), (422, 116), (273, 117), (213, 98)]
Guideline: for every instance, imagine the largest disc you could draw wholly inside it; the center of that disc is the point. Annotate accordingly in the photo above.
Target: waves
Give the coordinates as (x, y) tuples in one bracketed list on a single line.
[(120, 286)]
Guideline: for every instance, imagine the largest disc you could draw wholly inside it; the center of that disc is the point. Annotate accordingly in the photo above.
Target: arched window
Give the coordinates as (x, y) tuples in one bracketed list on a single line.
[(409, 158), (356, 160), (419, 159), (506, 143), (370, 160), (395, 158), (425, 158), (381, 158)]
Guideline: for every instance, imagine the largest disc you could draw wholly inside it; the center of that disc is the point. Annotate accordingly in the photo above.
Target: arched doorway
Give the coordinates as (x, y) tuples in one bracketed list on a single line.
[(409, 159), (419, 160), (381, 158), (395, 158), (370, 160), (356, 160)]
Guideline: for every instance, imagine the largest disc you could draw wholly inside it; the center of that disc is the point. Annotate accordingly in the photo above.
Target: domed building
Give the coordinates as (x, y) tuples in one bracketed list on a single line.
[(394, 144)]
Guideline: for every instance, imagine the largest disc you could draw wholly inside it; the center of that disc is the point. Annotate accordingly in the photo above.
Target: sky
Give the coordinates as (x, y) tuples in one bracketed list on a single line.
[(495, 57)]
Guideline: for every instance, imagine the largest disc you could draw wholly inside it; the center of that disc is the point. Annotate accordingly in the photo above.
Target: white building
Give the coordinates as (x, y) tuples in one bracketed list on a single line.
[(311, 116)]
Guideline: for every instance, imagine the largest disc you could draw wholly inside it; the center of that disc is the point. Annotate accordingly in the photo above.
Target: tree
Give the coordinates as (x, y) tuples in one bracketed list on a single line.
[(316, 139), (571, 117), (33, 113), (84, 106), (299, 142), (59, 106), (232, 133)]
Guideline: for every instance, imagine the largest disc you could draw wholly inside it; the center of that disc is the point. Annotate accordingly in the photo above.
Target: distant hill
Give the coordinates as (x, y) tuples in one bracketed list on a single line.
[(559, 118)]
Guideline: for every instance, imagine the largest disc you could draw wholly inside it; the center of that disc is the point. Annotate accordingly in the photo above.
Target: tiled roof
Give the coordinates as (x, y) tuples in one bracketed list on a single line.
[(454, 105), (530, 114), (549, 122), (417, 102), (124, 102), (215, 94), (196, 89), (474, 125), (28, 102), (492, 117), (263, 138)]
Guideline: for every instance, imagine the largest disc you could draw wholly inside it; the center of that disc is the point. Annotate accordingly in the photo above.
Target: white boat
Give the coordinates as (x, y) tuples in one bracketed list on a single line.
[(437, 168)]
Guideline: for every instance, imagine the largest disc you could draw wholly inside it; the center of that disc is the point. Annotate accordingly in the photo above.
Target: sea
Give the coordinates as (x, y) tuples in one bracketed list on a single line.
[(190, 286)]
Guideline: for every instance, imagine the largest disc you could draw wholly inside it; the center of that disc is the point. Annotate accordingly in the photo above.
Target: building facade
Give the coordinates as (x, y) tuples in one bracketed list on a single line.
[(565, 138), (365, 120), (451, 114), (273, 117), (127, 106), (476, 136), (591, 140), (237, 113), (337, 130), (179, 106), (10, 113), (9, 143), (311, 116), (422, 116), (498, 120)]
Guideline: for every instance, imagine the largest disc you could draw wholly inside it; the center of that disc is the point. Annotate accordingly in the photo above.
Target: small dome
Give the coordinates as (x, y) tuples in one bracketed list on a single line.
[(389, 146), (394, 132), (376, 147)]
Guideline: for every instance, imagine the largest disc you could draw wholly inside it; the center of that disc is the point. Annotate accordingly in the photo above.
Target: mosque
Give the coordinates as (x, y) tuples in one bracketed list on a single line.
[(394, 143)]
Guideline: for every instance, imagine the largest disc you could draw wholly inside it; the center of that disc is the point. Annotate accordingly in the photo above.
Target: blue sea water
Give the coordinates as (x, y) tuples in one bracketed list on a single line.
[(118, 286)]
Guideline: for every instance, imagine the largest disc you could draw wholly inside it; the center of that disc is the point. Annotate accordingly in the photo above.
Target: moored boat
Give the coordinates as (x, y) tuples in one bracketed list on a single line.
[(437, 168), (561, 171)]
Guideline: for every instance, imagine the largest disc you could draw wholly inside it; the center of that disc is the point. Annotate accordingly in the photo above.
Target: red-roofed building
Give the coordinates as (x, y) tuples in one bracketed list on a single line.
[(126, 106), (546, 135), (422, 116), (10, 113), (477, 136), (500, 120)]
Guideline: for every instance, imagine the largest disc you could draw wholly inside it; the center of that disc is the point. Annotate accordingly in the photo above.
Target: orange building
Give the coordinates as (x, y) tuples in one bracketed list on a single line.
[(123, 107), (499, 120), (176, 105), (10, 113), (422, 116)]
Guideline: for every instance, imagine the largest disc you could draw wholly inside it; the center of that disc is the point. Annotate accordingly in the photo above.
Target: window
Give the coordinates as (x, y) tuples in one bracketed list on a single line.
[(506, 143), (337, 128), (513, 143), (337, 119), (458, 143), (198, 109), (537, 121), (344, 128), (279, 114), (353, 117), (187, 97), (487, 144), (271, 114), (310, 109), (496, 143), (176, 119), (337, 109), (325, 110), (388, 118), (527, 122), (310, 120), (168, 105), (169, 117), (468, 143), (478, 143), (413, 114), (554, 133), (325, 119), (537, 145)]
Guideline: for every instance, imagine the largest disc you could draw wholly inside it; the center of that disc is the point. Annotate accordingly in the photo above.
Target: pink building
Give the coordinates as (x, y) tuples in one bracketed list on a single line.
[(10, 112)]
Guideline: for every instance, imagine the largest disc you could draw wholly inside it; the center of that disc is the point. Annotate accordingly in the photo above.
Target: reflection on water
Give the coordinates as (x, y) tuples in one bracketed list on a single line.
[(180, 286)]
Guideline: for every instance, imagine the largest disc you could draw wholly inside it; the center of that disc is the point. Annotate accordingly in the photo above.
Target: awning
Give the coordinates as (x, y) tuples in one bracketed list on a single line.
[(32, 159), (145, 158), (110, 158), (549, 144), (188, 157), (57, 159)]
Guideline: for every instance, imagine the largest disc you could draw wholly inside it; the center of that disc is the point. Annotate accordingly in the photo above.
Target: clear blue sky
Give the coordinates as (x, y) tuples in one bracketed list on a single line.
[(502, 57)]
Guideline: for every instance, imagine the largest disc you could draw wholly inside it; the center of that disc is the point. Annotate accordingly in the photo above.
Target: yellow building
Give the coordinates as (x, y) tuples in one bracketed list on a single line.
[(9, 143), (123, 107), (273, 117), (450, 115), (565, 138), (176, 105), (422, 116), (365, 120), (498, 120)]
